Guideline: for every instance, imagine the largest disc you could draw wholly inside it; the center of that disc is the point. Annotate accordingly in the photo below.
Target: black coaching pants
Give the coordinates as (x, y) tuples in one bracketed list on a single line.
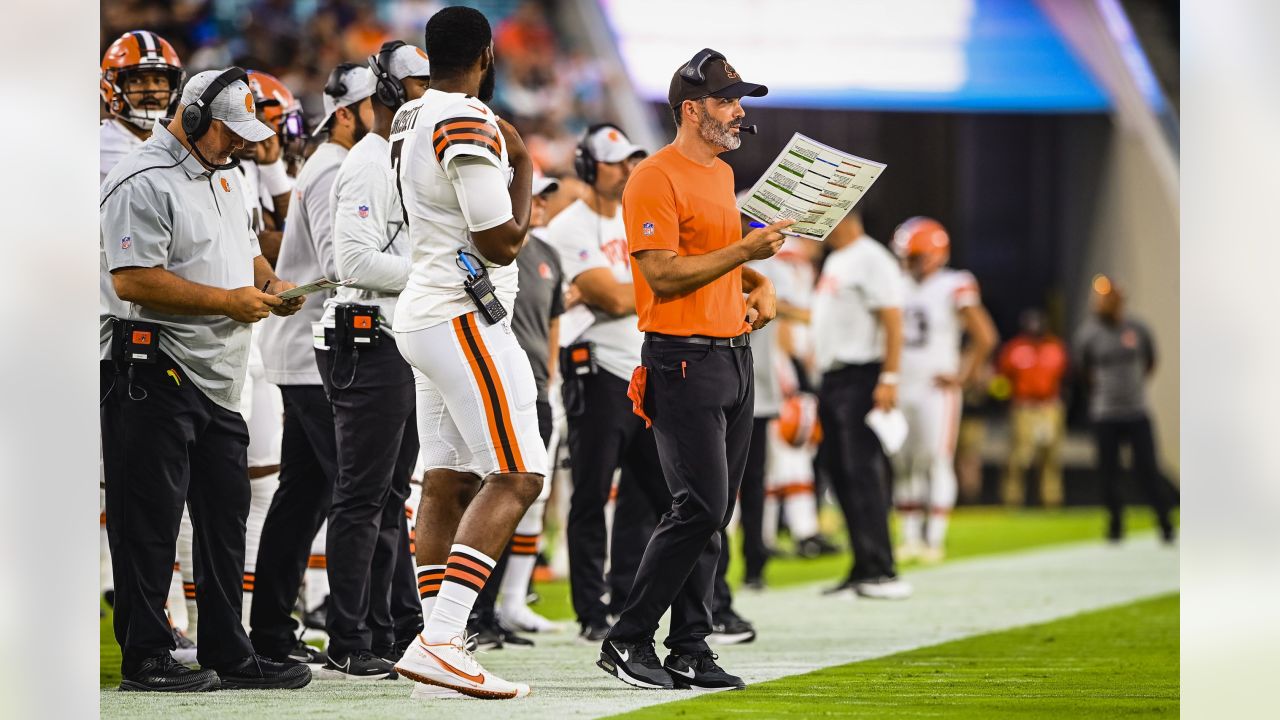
[(701, 401), (604, 435), (373, 398), (164, 442), (308, 468), (857, 467), (1136, 432)]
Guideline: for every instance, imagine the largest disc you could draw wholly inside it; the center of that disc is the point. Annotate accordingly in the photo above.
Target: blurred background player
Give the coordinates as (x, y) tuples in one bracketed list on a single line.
[(940, 305), (263, 164), (141, 79), (308, 454), (1034, 362), (604, 435), (1115, 356), (857, 333)]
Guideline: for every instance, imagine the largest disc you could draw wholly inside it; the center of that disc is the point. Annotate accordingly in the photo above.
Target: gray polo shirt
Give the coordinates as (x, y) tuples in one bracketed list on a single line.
[(1115, 359), (162, 208), (306, 253), (541, 298)]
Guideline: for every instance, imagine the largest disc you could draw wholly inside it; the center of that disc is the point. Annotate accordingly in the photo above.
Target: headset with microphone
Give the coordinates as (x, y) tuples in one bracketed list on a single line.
[(585, 163), (389, 91), (693, 72), (198, 116)]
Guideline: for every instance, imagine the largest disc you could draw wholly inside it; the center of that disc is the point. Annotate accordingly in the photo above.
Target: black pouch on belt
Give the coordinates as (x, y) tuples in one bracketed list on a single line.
[(579, 359), (134, 342), (356, 326)]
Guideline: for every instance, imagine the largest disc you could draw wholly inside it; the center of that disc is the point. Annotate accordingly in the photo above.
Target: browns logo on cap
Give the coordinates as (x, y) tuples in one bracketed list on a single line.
[(720, 80)]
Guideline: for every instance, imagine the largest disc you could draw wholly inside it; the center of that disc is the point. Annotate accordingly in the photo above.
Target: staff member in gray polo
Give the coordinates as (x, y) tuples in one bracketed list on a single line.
[(182, 278)]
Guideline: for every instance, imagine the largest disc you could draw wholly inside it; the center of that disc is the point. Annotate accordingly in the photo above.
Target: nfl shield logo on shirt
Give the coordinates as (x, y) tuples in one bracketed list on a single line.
[(363, 211), (648, 228), (126, 242)]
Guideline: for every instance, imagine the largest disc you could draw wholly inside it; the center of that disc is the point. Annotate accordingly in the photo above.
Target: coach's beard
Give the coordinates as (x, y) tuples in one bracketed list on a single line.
[(718, 133)]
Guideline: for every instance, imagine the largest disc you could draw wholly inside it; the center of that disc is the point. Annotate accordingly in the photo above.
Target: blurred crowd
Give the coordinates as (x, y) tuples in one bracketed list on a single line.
[(548, 89)]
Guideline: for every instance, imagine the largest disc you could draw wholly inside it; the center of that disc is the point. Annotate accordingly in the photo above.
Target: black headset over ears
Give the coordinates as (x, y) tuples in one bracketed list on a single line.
[(334, 86), (198, 116), (389, 91), (692, 70), (584, 161)]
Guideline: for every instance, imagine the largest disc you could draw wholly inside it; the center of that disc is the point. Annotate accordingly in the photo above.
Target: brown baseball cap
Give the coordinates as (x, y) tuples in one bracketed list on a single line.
[(719, 79)]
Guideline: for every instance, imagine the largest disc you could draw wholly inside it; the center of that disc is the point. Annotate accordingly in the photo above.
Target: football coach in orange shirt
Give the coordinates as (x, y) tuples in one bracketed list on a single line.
[(697, 305)]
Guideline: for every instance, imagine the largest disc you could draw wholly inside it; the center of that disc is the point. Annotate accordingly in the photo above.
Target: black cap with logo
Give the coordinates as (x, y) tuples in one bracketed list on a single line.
[(709, 74)]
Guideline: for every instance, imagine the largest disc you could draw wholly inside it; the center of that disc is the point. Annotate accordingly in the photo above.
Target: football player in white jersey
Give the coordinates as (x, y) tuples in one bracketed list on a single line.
[(942, 304), (465, 178), (141, 78), (140, 84)]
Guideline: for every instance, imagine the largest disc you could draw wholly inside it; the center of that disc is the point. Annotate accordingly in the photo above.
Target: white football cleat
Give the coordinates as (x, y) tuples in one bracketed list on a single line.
[(526, 620), (450, 665), (423, 691), (884, 589)]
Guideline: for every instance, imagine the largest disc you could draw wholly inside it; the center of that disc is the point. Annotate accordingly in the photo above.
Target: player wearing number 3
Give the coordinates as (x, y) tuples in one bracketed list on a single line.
[(941, 304)]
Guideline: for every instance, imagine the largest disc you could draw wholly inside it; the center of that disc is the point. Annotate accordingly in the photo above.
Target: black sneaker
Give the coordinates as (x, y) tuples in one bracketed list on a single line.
[(635, 664), (699, 671), (259, 673), (730, 628), (164, 674), (594, 632), (816, 546), (486, 636), (305, 654), (315, 618), (509, 636), (755, 582), (184, 650), (395, 651), (362, 665)]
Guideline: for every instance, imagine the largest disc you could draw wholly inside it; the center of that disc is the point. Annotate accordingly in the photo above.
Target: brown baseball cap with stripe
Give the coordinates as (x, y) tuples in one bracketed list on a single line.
[(709, 74)]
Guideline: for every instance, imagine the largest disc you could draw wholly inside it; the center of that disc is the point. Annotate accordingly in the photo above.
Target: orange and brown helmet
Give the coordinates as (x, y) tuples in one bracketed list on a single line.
[(922, 236), (275, 101), (139, 51)]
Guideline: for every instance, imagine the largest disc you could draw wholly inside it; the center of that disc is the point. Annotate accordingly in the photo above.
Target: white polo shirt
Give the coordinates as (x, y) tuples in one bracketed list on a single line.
[(856, 282)]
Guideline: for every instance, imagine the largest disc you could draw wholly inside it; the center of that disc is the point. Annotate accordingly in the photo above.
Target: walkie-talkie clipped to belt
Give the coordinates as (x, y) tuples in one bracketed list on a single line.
[(480, 289)]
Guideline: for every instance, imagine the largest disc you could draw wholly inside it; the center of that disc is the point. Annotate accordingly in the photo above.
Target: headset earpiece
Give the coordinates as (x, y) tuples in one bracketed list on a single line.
[(585, 163), (389, 91), (197, 117), (692, 70)]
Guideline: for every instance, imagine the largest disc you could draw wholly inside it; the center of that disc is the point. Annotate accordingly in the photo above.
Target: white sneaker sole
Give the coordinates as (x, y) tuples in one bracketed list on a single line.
[(730, 638), (423, 691)]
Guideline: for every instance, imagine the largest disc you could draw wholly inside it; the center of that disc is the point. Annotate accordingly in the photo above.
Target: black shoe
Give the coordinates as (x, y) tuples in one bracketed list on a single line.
[(635, 664), (755, 582), (301, 653), (164, 674), (259, 673), (396, 650), (729, 628), (509, 636), (699, 671), (487, 636), (816, 546), (315, 619), (362, 665), (594, 632), (846, 587)]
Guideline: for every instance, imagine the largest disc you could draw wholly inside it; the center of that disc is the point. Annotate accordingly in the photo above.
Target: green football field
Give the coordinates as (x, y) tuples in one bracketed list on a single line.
[(974, 532)]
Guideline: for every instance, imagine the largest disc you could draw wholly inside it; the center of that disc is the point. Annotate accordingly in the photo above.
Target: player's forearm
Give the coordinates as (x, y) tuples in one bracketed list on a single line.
[(263, 272), (891, 320), (159, 290), (672, 276)]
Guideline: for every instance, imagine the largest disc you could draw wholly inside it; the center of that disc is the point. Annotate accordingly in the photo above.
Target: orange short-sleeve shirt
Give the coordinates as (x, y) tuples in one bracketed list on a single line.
[(672, 203)]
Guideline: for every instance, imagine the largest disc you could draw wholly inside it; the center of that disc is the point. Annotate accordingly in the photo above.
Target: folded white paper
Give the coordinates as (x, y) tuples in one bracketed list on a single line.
[(890, 427)]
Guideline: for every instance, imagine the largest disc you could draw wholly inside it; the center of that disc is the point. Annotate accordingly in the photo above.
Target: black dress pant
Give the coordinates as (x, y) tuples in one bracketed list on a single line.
[(701, 401), (308, 469), (1110, 435), (604, 435), (754, 552), (373, 398), (857, 467), (164, 442)]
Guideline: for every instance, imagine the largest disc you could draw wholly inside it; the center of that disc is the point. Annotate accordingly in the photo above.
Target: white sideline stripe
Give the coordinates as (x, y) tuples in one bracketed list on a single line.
[(800, 631)]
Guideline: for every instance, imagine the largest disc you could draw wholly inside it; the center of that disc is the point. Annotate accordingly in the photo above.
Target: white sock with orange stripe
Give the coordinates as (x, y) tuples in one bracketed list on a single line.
[(801, 508), (429, 579), (465, 574), (515, 581)]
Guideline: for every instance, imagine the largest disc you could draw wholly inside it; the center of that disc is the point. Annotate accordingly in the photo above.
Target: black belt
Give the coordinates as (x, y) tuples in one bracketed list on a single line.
[(743, 340)]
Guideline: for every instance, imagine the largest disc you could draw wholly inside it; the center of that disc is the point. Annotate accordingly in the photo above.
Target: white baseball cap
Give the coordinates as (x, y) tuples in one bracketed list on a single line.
[(355, 85), (233, 105), (543, 185), (408, 61), (609, 145)]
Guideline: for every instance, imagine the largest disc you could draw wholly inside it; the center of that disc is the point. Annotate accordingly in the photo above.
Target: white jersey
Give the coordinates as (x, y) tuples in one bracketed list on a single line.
[(931, 323), (114, 142), (795, 282), (428, 138), (857, 281), (257, 203), (586, 241)]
